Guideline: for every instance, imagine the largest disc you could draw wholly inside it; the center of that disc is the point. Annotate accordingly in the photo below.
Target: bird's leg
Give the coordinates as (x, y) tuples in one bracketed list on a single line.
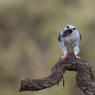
[(64, 56), (76, 51), (64, 51)]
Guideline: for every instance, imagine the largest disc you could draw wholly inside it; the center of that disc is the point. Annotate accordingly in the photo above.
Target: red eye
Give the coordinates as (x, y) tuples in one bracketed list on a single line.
[(74, 28)]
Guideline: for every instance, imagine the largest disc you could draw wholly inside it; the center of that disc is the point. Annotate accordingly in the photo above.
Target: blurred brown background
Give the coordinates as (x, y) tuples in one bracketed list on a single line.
[(28, 41)]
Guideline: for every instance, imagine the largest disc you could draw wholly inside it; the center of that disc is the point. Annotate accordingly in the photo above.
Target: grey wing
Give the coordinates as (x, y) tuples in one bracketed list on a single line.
[(62, 46), (79, 34), (77, 45)]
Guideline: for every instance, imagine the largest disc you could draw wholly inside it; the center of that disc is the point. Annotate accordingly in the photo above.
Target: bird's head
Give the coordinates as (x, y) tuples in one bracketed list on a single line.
[(69, 29)]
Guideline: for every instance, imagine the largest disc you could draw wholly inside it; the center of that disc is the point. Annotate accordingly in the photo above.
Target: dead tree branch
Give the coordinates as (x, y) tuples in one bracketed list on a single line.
[(85, 78)]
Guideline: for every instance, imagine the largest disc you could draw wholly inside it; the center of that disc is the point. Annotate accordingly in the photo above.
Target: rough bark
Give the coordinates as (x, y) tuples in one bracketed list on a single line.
[(85, 78)]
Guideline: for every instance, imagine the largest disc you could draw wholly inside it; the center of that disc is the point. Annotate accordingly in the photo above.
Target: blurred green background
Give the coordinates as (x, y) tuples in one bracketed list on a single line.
[(28, 41)]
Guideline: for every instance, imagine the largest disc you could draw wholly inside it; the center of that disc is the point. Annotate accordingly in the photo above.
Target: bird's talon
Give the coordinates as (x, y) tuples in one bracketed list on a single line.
[(78, 57), (63, 57)]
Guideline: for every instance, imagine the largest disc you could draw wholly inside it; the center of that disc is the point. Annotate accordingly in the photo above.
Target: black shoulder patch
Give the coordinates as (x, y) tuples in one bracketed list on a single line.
[(80, 36), (59, 38)]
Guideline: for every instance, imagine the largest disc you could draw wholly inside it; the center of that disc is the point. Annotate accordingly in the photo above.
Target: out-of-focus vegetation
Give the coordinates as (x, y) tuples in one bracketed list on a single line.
[(28, 41)]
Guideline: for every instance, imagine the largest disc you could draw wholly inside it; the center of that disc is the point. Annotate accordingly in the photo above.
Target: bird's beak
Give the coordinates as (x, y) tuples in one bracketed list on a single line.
[(68, 31)]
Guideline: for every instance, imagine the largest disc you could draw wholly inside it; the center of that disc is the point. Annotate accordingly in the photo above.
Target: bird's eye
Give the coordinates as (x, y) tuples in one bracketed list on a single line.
[(67, 27), (74, 28)]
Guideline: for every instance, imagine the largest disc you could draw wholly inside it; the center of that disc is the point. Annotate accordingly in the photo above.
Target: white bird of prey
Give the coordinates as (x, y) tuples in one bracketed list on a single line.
[(69, 40)]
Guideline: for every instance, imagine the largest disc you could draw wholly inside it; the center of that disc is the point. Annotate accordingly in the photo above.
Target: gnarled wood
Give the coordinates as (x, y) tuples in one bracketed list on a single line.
[(85, 78)]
